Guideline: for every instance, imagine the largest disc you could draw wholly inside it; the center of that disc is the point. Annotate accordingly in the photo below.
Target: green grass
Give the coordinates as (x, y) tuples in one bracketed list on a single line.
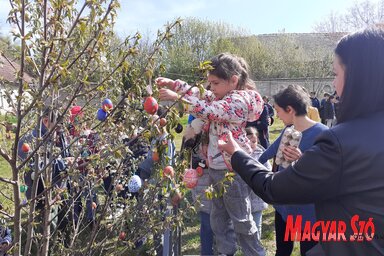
[(6, 189), (5, 170), (8, 118), (275, 129), (179, 136), (184, 120)]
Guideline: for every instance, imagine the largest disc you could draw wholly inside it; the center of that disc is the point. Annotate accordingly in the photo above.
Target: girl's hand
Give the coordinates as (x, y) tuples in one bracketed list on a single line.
[(228, 144), (165, 82), (291, 153), (166, 94)]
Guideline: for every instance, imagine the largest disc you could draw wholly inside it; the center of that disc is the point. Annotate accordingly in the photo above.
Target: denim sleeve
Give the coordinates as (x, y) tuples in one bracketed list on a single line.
[(7, 236), (271, 151)]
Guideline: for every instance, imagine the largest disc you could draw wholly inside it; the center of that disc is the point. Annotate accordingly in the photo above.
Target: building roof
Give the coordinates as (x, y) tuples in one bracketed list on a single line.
[(8, 69)]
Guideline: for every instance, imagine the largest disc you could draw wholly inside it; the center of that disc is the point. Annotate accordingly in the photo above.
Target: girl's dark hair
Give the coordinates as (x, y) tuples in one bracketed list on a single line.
[(225, 65), (362, 56), (294, 96), (251, 130)]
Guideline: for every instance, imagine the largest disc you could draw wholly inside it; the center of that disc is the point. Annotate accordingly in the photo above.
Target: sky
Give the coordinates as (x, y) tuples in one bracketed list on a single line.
[(254, 16)]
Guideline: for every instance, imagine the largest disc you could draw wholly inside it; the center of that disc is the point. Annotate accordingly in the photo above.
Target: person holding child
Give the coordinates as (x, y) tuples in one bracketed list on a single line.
[(226, 107)]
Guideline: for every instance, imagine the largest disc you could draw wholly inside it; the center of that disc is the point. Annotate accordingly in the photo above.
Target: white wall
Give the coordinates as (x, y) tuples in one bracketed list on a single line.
[(4, 106), (318, 85)]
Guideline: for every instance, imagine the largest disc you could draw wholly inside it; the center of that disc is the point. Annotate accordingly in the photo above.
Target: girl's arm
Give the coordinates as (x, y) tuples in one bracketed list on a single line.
[(182, 87), (233, 108)]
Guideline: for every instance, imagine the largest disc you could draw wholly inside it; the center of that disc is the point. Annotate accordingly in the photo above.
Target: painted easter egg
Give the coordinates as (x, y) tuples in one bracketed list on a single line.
[(107, 105), (150, 105), (101, 115), (190, 178), (134, 184)]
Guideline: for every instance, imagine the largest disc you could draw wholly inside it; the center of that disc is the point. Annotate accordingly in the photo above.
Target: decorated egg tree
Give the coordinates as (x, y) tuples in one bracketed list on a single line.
[(87, 150)]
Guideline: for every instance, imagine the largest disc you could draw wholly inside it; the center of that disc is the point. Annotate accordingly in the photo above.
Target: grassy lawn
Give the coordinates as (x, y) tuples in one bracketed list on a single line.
[(4, 168), (5, 171)]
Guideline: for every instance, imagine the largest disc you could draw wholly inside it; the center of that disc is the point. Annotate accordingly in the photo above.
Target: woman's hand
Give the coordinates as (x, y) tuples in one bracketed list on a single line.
[(291, 153), (165, 82), (228, 144), (166, 94)]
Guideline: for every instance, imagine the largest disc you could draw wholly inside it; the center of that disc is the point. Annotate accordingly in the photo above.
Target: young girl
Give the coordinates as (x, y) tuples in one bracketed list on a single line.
[(226, 108), (258, 205)]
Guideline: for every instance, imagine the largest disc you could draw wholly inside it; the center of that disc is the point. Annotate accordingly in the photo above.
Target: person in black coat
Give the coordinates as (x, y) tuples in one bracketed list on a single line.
[(343, 172), (329, 112), (315, 101), (261, 126), (271, 111)]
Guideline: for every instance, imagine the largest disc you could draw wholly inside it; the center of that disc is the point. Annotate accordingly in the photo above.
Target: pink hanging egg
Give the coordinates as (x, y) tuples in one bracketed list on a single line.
[(190, 178)]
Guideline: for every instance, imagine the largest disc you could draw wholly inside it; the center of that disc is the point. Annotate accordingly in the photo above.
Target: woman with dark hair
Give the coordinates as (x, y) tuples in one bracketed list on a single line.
[(291, 106), (343, 172)]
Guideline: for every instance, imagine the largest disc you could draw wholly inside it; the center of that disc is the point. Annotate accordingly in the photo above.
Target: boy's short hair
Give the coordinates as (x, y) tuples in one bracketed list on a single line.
[(294, 96)]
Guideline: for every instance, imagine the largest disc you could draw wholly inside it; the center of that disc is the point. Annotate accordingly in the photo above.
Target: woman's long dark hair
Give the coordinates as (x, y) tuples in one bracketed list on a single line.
[(362, 55)]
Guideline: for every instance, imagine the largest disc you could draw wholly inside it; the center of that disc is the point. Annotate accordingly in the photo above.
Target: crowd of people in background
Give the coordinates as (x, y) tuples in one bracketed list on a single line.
[(327, 107)]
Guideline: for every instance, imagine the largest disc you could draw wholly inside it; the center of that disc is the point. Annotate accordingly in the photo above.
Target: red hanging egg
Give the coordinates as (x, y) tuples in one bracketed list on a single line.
[(150, 105), (168, 172), (199, 171), (25, 147)]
